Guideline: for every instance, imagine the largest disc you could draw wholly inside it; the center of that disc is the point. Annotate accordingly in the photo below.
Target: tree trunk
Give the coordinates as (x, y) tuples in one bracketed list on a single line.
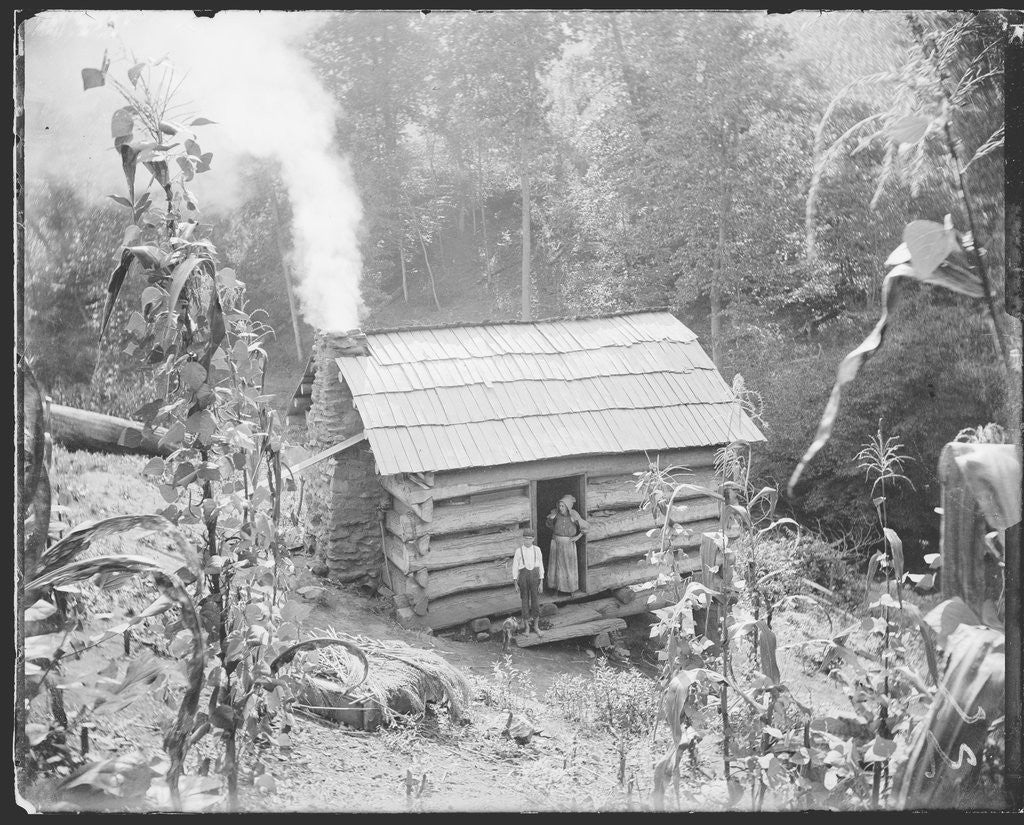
[(426, 260), (725, 207), (405, 285), (524, 177), (629, 76), (287, 273)]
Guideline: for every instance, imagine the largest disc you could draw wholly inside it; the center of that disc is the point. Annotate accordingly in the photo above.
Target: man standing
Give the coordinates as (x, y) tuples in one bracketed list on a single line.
[(527, 574)]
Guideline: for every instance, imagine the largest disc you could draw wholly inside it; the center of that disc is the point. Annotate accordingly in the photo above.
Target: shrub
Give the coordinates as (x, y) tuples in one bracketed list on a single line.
[(624, 702)]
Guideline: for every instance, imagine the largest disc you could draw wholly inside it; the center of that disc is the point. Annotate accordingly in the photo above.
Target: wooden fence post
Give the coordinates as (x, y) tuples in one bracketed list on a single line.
[(712, 555)]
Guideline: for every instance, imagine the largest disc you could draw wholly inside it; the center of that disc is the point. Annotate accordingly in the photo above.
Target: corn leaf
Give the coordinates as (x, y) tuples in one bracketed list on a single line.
[(178, 278), (84, 534), (114, 286)]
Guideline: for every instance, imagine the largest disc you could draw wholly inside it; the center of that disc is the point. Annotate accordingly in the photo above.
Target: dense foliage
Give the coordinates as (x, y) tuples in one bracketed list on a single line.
[(733, 166)]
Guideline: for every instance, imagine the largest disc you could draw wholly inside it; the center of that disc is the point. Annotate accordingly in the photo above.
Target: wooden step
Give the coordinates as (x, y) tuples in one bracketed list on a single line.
[(571, 631)]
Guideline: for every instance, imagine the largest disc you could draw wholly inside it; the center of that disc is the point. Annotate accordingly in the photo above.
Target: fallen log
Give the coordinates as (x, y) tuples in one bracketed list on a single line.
[(84, 430)]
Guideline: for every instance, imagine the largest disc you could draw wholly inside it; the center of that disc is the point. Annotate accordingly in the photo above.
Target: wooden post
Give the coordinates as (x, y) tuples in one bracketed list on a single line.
[(712, 555), (967, 570)]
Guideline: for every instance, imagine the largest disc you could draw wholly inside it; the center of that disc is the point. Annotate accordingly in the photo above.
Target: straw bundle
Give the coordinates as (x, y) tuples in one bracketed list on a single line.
[(401, 680)]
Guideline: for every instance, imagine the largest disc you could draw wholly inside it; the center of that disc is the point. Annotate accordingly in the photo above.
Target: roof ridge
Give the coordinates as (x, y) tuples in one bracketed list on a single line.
[(506, 322)]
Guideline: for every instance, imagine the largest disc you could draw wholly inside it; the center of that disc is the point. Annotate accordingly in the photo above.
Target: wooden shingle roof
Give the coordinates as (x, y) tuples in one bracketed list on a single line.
[(447, 398)]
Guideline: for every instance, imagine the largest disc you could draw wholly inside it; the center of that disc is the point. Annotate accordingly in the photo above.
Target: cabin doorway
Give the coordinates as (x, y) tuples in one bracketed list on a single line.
[(547, 492)]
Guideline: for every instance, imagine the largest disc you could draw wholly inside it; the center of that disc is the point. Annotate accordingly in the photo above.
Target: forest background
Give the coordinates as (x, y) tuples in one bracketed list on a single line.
[(732, 166)]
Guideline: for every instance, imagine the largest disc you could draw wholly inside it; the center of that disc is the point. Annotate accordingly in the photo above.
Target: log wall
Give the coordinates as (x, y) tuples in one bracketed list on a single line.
[(450, 537)]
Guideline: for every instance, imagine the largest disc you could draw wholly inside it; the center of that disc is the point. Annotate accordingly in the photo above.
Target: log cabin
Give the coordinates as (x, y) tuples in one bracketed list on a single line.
[(442, 443)]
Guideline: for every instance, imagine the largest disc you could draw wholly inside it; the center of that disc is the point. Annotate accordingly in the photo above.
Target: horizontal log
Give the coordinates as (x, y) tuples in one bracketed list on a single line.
[(405, 526), (451, 580), (454, 483), (571, 614), (454, 551), (610, 492), (573, 631), (635, 545), (441, 583), (631, 571), (407, 556), (611, 523), (424, 511), (84, 430), (456, 518), (403, 489), (442, 552)]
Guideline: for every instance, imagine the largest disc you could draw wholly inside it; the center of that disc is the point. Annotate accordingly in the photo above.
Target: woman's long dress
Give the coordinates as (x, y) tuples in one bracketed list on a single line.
[(563, 570)]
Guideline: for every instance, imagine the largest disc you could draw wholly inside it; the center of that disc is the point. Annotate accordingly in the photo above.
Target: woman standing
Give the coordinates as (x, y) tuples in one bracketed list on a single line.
[(568, 527)]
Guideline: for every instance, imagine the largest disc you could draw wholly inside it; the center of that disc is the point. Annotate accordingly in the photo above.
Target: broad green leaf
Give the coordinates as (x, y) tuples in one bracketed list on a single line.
[(948, 615), (155, 467), (201, 121), (193, 375), (157, 166), (150, 257), (900, 255), (880, 750), (92, 78), (929, 244), (121, 201), (175, 434), (41, 610), (187, 167), (135, 72), (132, 233), (896, 546), (122, 124), (202, 424), (43, 646)]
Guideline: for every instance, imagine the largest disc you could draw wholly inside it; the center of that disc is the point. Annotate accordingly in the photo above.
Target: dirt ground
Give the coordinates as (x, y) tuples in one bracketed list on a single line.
[(434, 765)]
